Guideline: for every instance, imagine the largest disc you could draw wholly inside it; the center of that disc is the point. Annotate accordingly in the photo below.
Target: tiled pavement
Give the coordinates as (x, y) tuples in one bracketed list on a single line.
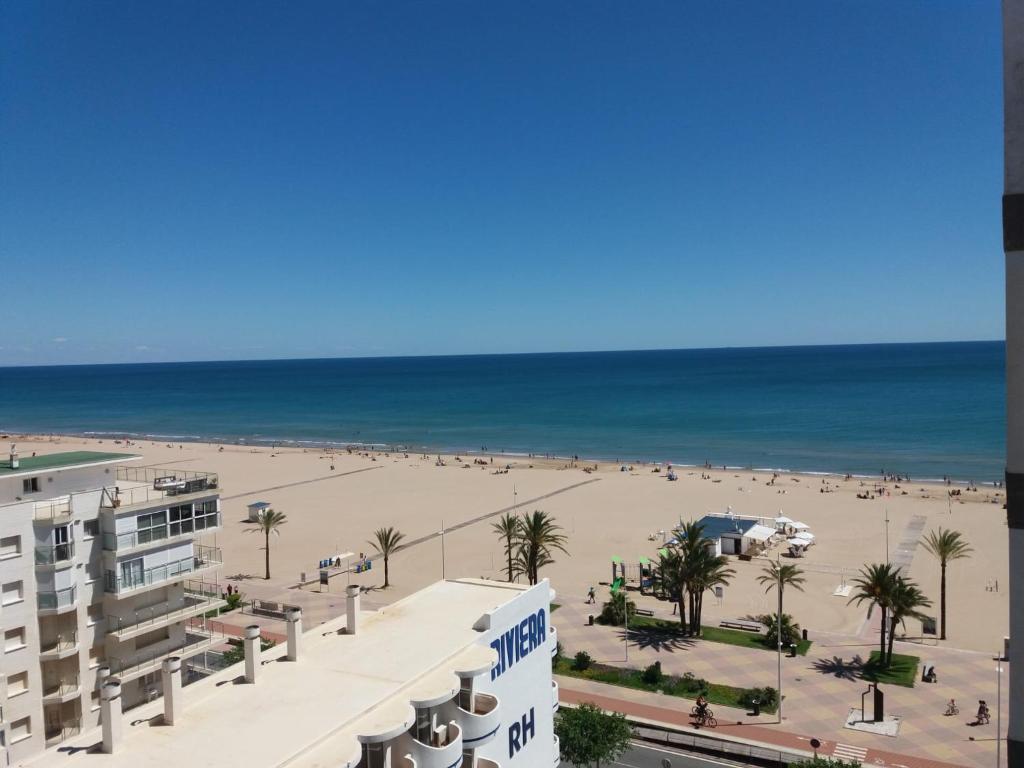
[(820, 688)]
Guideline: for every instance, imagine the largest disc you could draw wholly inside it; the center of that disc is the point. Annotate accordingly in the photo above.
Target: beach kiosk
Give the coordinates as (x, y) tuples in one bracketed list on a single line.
[(255, 508)]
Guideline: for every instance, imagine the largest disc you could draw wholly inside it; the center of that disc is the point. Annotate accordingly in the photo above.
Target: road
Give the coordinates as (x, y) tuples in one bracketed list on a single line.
[(644, 756)]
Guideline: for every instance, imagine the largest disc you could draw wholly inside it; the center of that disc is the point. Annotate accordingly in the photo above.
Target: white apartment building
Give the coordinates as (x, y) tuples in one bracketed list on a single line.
[(101, 573), (457, 675)]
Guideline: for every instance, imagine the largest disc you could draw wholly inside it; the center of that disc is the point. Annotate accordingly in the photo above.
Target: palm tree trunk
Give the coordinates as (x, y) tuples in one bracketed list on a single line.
[(881, 636), (682, 610), (508, 552), (267, 554), (942, 602), (387, 581), (892, 636)]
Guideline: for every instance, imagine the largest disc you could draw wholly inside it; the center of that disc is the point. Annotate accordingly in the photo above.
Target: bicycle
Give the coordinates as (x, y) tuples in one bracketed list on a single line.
[(951, 710), (704, 718)]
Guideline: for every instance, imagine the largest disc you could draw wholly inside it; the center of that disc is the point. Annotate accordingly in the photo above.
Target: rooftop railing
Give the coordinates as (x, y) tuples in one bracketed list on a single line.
[(139, 663), (52, 509), (139, 485), (197, 523), (202, 557)]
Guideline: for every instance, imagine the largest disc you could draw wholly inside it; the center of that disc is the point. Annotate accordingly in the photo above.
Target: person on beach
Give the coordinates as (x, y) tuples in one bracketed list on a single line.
[(591, 597)]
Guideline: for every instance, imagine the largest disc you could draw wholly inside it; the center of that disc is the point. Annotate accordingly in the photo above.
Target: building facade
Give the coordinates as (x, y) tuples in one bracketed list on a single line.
[(102, 572)]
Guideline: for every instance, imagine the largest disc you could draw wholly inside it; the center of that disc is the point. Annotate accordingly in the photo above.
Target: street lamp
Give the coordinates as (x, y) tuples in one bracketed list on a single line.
[(778, 629), (999, 710)]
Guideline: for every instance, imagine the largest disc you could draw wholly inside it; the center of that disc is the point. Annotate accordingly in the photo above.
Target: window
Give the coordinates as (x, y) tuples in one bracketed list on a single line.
[(91, 528), (17, 684), (151, 527), (11, 592), (206, 515), (14, 639), (21, 729), (131, 573), (10, 546), (30, 485), (181, 519)]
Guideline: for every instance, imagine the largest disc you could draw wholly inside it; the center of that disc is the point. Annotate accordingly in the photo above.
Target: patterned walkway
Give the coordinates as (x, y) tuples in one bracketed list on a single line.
[(819, 689)]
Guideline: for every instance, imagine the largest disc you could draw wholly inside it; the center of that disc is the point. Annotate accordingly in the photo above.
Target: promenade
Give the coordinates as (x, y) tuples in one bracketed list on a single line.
[(819, 689)]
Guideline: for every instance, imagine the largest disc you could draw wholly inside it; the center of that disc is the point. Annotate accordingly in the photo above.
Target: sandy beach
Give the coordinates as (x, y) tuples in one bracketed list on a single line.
[(335, 501)]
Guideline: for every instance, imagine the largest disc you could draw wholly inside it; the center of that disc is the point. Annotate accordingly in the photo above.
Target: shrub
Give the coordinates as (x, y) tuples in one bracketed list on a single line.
[(582, 661), (824, 762), (236, 652), (765, 696), (652, 675), (690, 684), (614, 611), (234, 601), (558, 654), (790, 630)]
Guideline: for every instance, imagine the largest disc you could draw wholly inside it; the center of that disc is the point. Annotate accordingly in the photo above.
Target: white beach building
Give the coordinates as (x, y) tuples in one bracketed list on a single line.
[(457, 675), (102, 573)]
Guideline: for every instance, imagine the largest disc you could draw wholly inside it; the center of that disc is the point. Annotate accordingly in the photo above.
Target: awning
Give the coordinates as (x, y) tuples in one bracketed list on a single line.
[(797, 542), (760, 533), (798, 526), (644, 561), (782, 520), (805, 535), (616, 559)]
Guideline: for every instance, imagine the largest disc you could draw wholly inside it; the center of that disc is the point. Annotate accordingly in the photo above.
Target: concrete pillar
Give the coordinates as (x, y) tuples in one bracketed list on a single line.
[(170, 675), (1013, 246), (252, 652), (294, 619), (352, 609), (111, 718)]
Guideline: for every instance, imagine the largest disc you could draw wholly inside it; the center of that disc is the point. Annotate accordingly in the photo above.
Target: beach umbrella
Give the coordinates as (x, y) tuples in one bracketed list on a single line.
[(797, 542), (798, 526), (806, 535), (782, 520)]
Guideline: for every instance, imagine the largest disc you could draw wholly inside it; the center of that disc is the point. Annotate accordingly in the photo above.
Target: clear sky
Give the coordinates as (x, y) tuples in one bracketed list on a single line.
[(221, 180)]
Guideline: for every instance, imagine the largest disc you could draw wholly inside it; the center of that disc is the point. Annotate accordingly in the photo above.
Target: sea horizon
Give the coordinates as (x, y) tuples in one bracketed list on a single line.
[(926, 409)]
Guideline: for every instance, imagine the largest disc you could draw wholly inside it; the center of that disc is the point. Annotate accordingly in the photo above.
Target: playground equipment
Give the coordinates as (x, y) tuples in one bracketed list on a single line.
[(624, 574)]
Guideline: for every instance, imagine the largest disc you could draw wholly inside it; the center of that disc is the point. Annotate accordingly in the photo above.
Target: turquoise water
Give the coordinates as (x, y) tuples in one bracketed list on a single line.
[(927, 410)]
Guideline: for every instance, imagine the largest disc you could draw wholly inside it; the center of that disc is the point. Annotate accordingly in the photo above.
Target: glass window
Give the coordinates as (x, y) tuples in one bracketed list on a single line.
[(181, 520), (91, 528), (131, 573), (151, 527)]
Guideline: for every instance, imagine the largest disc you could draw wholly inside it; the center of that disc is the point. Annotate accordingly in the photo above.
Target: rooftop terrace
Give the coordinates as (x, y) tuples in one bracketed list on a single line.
[(29, 465), (309, 713)]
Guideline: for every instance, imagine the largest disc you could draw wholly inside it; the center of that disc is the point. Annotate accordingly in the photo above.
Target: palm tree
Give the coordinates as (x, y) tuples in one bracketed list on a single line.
[(906, 602), (876, 585), (386, 541), (508, 528), (267, 522), (946, 546), (790, 629), (672, 579), (701, 570), (787, 575), (539, 535)]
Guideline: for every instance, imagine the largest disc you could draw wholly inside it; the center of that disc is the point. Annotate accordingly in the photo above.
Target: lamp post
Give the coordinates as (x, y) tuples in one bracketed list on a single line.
[(778, 630), (442, 550), (999, 710)]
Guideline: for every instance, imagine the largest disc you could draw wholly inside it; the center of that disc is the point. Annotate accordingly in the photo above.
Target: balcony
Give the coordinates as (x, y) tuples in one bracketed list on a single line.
[(204, 560), (554, 696), (58, 732), (55, 555), (480, 722), (129, 541), (58, 647), (149, 659), (445, 751), (58, 601), (62, 691), (199, 599), (53, 511), (151, 485)]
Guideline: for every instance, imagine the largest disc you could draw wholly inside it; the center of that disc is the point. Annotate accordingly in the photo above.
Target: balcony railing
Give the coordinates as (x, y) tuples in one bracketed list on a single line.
[(65, 641), (202, 557), (66, 686), (52, 554), (56, 600), (139, 485), (52, 509), (58, 732), (114, 542), (199, 598), (146, 661)]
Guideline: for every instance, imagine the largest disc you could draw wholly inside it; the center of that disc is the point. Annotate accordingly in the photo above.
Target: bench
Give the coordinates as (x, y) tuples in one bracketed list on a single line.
[(644, 612), (743, 624), (270, 608)]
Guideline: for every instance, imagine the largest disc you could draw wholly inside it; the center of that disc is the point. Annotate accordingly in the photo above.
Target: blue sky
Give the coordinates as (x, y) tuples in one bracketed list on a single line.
[(195, 180)]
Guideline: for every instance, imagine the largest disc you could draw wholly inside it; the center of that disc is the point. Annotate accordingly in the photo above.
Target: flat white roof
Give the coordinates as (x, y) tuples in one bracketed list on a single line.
[(760, 533), (308, 713)]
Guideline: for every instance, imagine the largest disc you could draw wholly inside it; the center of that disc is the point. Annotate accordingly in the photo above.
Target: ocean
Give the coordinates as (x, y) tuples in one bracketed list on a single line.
[(923, 410)]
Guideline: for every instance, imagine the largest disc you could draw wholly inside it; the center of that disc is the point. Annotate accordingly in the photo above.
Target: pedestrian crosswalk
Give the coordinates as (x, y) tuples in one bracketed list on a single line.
[(849, 752)]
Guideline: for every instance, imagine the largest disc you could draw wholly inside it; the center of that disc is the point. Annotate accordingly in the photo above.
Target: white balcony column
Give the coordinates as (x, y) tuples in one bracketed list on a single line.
[(110, 714), (252, 652), (170, 675), (352, 609), (294, 619)]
